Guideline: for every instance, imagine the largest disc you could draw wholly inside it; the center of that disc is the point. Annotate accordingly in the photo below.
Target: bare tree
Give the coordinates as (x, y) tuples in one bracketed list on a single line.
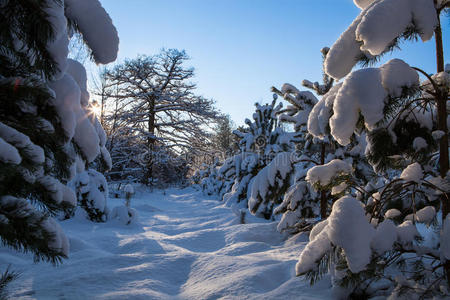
[(160, 103)]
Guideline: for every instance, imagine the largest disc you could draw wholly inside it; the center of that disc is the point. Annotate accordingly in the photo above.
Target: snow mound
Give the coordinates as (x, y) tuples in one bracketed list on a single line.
[(124, 214)]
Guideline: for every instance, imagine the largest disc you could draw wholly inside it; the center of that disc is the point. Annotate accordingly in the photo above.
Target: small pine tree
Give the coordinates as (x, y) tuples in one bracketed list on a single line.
[(262, 142)]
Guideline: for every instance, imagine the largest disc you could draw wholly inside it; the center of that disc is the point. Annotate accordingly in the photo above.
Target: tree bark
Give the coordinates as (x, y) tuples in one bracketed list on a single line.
[(150, 140), (441, 101)]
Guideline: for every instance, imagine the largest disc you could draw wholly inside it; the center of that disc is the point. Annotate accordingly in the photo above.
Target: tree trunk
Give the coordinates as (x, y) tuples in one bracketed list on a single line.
[(323, 194), (150, 140), (442, 125)]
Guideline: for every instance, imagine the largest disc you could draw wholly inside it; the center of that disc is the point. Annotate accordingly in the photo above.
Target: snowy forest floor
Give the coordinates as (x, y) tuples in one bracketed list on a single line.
[(184, 246)]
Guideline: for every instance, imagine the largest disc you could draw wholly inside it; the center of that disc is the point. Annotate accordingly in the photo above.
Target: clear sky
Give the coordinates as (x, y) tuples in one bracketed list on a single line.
[(240, 48)]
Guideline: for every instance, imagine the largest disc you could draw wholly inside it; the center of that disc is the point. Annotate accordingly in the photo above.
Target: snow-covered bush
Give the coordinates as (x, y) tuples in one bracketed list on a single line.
[(92, 194), (124, 213), (47, 132), (384, 238)]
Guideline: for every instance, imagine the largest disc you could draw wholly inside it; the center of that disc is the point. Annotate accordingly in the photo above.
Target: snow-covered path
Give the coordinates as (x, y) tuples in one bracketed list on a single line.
[(184, 246)]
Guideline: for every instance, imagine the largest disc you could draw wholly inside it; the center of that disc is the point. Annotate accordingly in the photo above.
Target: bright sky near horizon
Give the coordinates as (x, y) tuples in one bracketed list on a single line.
[(240, 48)]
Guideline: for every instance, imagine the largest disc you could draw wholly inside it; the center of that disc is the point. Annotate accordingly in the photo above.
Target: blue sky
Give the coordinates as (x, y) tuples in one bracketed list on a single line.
[(240, 48)]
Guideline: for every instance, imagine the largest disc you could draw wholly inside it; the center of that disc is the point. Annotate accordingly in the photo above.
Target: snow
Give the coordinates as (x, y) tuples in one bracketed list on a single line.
[(413, 172), (383, 23), (385, 236), (345, 52), (270, 176), (438, 134), (323, 174), (335, 190), (70, 85), (316, 248), (124, 214), (289, 88), (23, 143), (419, 143), (392, 213), (363, 3), (348, 228), (396, 74), (66, 101), (321, 112), (8, 153), (96, 27), (129, 189), (317, 229), (376, 28), (68, 195), (426, 214), (78, 73), (106, 157), (54, 187), (184, 246), (58, 240), (365, 91), (407, 232), (59, 46)]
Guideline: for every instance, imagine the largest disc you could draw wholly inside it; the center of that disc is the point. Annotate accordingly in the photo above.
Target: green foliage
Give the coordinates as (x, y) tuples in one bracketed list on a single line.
[(5, 279), (92, 193), (27, 21), (25, 230), (27, 195)]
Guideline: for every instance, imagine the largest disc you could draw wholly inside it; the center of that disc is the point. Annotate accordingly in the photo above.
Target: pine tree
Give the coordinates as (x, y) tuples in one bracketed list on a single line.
[(39, 139), (223, 138), (34, 164), (300, 200), (367, 245), (304, 203), (260, 143)]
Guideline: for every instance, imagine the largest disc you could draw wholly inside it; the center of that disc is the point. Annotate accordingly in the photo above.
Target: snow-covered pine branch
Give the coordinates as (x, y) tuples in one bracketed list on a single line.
[(374, 233)]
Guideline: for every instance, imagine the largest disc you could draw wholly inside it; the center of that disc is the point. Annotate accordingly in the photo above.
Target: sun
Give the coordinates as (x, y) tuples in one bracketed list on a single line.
[(95, 108)]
